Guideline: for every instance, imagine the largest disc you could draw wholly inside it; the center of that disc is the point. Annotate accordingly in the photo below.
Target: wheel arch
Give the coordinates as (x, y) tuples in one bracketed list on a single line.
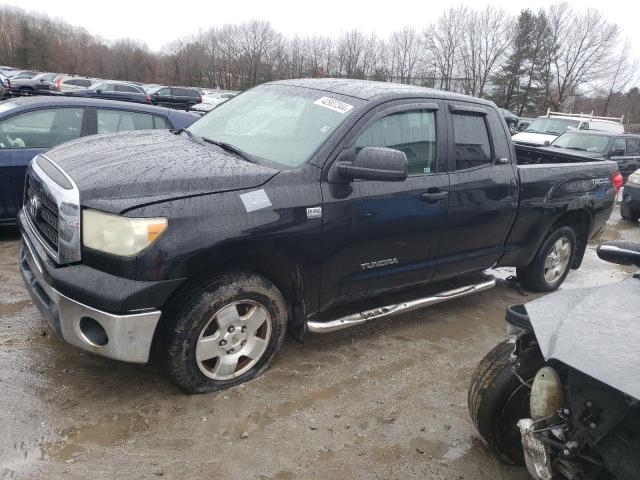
[(580, 221), (284, 272)]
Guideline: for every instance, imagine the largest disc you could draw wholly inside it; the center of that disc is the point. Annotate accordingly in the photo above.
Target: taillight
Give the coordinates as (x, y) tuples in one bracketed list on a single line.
[(58, 84), (147, 98), (616, 180)]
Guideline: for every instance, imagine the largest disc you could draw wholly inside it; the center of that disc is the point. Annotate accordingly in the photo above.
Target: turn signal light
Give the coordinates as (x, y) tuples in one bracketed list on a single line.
[(616, 180)]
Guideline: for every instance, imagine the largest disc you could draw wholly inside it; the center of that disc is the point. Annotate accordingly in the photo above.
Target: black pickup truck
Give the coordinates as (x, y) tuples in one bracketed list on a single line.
[(307, 206)]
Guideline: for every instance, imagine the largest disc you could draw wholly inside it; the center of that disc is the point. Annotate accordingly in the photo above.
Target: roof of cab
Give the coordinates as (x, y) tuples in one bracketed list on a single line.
[(370, 90)]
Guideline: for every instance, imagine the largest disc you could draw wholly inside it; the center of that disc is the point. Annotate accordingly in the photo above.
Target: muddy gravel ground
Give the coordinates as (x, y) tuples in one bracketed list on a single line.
[(382, 401)]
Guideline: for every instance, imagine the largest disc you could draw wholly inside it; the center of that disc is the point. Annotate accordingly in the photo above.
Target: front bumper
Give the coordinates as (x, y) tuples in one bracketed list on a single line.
[(125, 337)]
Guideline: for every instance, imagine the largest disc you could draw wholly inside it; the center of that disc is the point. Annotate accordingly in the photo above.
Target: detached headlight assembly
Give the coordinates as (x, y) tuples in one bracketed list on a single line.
[(634, 178), (119, 235)]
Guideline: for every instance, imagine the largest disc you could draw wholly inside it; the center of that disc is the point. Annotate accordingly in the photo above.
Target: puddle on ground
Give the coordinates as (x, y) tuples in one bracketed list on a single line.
[(105, 433)]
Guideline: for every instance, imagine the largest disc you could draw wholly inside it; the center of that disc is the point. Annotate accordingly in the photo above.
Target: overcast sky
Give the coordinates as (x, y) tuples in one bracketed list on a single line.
[(160, 22)]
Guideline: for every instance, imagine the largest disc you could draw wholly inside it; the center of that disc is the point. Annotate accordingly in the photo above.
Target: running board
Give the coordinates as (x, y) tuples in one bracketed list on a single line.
[(403, 307)]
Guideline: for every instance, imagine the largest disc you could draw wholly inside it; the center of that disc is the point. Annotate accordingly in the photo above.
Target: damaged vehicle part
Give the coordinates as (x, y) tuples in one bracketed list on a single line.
[(582, 417)]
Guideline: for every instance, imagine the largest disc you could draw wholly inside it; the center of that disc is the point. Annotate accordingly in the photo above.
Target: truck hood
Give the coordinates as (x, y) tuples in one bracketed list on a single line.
[(586, 329), (117, 172), (529, 138)]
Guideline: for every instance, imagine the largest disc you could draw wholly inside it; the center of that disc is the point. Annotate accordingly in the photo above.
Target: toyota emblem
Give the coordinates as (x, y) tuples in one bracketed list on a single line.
[(34, 206)]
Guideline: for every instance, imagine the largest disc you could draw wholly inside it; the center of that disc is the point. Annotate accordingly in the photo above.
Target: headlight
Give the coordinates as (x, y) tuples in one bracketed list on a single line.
[(119, 235), (634, 178)]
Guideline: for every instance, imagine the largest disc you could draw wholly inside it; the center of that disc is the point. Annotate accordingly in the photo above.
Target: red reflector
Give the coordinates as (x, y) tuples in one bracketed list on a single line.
[(616, 180)]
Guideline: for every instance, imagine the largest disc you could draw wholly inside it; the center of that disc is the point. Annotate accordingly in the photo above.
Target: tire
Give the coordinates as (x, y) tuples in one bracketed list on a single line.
[(238, 313), (629, 213), (498, 399), (538, 275)]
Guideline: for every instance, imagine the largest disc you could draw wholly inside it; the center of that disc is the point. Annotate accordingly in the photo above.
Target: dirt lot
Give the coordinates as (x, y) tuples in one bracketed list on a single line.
[(382, 401)]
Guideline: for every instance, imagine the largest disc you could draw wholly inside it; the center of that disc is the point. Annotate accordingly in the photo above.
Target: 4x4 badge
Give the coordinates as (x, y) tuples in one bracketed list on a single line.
[(314, 212)]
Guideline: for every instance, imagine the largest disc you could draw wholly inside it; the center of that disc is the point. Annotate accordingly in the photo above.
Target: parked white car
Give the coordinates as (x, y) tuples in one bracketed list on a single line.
[(213, 98), (545, 129)]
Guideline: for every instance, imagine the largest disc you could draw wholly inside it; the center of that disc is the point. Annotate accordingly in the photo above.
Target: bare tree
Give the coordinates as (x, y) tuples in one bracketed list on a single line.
[(623, 72), (405, 50), (485, 40), (443, 40)]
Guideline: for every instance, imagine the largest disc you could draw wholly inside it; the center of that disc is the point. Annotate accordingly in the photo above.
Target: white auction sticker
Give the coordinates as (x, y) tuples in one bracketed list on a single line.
[(255, 200), (333, 104)]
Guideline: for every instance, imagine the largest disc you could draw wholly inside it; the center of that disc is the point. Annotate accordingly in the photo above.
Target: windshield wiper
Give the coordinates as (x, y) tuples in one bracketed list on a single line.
[(576, 148), (232, 149)]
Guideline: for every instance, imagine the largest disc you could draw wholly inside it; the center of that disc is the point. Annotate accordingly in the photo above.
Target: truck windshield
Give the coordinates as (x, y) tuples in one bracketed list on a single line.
[(581, 141), (278, 123), (552, 125)]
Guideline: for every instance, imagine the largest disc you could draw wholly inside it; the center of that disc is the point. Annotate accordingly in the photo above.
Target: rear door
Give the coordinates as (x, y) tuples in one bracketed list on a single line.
[(162, 97), (381, 235), (25, 135), (482, 192)]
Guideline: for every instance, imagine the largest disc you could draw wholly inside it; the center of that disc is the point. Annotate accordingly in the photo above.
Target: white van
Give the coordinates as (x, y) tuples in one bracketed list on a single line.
[(547, 128)]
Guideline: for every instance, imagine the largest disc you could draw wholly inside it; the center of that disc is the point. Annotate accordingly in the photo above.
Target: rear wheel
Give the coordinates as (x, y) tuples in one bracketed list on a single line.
[(223, 333), (629, 213), (552, 263), (498, 399)]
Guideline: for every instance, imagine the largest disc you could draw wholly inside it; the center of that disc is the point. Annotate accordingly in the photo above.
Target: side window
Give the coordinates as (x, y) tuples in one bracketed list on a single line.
[(473, 148), (125, 88), (633, 147), (620, 146), (41, 129), (107, 87), (584, 126), (165, 92), (111, 121), (413, 133), (501, 145), (159, 123)]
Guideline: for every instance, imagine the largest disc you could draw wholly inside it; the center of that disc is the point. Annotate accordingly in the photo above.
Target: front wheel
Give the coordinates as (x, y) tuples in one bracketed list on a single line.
[(498, 399), (224, 333), (552, 263)]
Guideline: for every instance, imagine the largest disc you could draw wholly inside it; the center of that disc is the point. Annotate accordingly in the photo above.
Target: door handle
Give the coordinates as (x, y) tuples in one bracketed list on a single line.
[(433, 197)]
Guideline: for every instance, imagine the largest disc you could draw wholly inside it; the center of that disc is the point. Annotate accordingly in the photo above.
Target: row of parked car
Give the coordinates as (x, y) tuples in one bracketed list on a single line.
[(28, 82)]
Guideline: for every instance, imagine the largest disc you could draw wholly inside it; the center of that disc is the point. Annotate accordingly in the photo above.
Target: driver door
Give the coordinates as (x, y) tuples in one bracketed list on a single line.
[(381, 235)]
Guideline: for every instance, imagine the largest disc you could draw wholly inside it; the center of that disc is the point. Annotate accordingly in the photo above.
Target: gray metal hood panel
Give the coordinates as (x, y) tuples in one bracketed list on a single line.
[(117, 172), (592, 331)]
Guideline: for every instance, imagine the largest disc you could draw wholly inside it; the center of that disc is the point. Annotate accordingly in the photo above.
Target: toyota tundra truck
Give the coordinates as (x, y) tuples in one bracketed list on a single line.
[(304, 206)]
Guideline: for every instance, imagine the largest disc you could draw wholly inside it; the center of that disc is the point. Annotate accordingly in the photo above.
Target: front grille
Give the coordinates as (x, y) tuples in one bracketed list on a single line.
[(42, 210)]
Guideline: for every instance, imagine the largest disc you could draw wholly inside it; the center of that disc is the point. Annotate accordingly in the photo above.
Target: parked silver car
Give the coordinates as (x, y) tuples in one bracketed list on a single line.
[(213, 98), (69, 83)]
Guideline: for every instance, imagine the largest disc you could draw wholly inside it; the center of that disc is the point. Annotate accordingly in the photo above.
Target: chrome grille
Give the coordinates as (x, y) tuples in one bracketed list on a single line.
[(42, 211), (51, 210)]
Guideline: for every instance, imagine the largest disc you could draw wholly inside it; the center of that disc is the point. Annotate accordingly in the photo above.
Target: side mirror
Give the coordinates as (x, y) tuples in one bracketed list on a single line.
[(99, 90), (621, 252), (617, 152), (42, 80), (374, 163)]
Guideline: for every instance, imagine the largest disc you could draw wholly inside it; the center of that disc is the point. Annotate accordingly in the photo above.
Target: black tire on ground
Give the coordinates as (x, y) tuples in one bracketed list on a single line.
[(195, 313), (498, 399), (629, 213), (532, 276)]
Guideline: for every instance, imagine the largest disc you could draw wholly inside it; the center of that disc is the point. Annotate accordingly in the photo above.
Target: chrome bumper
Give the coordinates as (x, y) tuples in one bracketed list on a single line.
[(128, 337)]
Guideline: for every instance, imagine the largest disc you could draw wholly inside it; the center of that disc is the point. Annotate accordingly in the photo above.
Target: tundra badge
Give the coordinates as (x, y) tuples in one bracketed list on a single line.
[(379, 263)]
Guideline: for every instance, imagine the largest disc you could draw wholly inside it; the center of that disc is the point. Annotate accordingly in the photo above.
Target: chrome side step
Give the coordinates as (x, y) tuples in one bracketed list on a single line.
[(389, 310)]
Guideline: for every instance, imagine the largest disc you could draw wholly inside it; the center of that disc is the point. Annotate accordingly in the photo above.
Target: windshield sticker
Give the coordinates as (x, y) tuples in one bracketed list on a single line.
[(332, 104), (256, 200)]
